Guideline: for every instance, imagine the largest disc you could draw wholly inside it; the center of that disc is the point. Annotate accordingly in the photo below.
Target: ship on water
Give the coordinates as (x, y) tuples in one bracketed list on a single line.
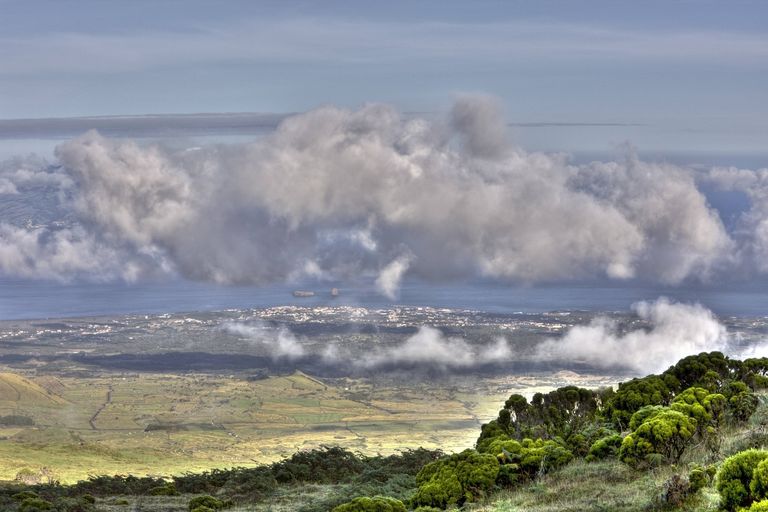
[(303, 293)]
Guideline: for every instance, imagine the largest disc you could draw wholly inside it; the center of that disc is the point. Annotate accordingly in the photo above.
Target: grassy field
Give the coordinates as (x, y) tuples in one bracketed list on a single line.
[(159, 424)]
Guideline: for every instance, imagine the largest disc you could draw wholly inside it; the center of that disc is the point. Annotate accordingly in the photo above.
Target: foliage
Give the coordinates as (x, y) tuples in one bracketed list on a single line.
[(743, 405), (665, 434), (701, 477), (759, 506), (637, 393), (80, 504), (324, 466), (374, 504), (35, 505), (758, 486), (169, 489), (208, 501), (456, 479), (21, 496), (560, 413), (705, 407), (604, 447), (644, 413), (735, 477), (117, 484), (675, 492)]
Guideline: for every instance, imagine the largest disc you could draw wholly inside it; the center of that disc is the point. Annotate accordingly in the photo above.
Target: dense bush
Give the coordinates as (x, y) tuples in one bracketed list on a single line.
[(35, 505), (759, 506), (375, 504), (456, 479), (743, 405), (705, 407), (604, 447), (559, 413), (665, 434), (701, 477), (758, 486), (637, 393), (115, 485), (735, 478), (168, 489), (207, 501), (327, 465)]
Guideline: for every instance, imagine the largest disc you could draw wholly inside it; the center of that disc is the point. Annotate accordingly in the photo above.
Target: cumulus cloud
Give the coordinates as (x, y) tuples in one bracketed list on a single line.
[(671, 332), (64, 254), (752, 225), (346, 193)]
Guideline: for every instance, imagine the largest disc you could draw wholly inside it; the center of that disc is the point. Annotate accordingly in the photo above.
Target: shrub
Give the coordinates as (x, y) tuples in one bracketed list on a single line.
[(73, 505), (35, 505), (735, 477), (206, 501), (605, 447), (675, 492), (705, 407), (665, 434), (328, 465), (164, 490), (456, 479), (701, 477), (375, 504), (743, 405), (759, 506), (21, 496), (637, 393), (758, 486)]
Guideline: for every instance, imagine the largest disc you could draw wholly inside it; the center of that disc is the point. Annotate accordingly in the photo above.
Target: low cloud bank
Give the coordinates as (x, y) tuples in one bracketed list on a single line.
[(427, 349), (279, 343), (654, 337), (347, 193), (673, 331)]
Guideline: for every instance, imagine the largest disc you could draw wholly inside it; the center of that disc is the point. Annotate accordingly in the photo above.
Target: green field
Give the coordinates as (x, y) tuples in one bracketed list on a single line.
[(159, 424)]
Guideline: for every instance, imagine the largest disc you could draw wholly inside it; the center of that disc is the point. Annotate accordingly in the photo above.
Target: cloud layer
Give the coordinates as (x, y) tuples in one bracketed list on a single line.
[(654, 336), (672, 331), (340, 194)]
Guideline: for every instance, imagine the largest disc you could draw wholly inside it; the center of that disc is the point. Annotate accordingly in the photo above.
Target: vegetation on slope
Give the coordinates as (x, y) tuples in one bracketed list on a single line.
[(686, 439)]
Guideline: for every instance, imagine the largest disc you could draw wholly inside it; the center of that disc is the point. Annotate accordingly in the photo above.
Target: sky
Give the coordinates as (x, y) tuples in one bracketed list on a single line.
[(669, 75), (428, 139)]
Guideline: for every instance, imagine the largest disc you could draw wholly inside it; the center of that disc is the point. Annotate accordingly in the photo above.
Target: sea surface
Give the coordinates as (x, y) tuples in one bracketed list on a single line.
[(25, 299)]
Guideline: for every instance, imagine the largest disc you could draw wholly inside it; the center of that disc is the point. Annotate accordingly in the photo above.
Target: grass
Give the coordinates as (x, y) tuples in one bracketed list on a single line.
[(220, 421), (597, 486)]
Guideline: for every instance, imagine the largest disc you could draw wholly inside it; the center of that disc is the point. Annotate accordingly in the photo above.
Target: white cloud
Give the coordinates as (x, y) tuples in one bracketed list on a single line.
[(388, 282), (279, 343), (674, 331)]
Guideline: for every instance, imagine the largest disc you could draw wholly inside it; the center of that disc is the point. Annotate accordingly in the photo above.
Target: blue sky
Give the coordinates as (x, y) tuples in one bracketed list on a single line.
[(687, 75)]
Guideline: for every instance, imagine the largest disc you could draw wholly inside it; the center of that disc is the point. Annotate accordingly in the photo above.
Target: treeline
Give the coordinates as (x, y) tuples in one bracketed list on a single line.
[(352, 474)]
